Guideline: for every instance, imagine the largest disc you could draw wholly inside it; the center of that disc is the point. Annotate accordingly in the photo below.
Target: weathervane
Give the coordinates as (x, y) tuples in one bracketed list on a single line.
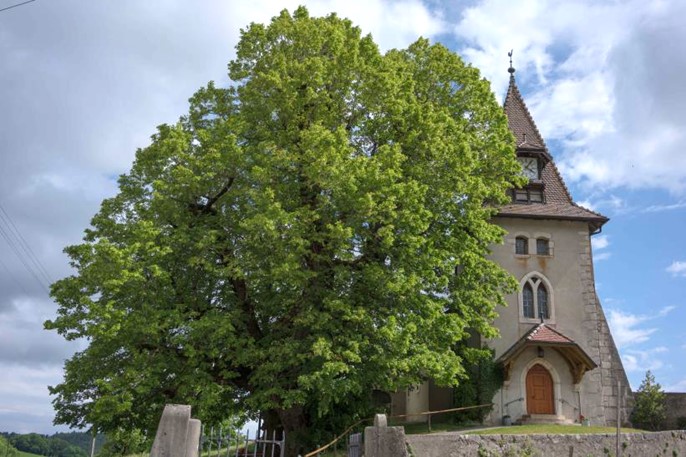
[(511, 70)]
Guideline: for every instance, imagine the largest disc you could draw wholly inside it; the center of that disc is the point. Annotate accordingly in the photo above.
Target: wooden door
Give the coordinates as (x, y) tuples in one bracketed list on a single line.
[(539, 391)]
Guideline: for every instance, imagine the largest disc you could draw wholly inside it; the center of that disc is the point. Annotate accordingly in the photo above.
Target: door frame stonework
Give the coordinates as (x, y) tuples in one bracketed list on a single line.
[(547, 404), (553, 374)]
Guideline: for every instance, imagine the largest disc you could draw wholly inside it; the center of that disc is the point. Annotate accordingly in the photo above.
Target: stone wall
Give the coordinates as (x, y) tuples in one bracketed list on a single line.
[(676, 408), (668, 444)]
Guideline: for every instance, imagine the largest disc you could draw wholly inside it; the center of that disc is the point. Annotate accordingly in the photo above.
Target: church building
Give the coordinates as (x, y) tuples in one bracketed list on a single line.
[(560, 363)]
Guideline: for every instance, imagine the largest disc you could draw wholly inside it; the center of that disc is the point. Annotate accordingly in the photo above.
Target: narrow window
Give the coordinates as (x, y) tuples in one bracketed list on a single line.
[(542, 246), (528, 300), (521, 245), (542, 296)]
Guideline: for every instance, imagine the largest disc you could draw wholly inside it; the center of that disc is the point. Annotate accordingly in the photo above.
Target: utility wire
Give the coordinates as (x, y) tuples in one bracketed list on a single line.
[(13, 247), (11, 242), (24, 245), (18, 4)]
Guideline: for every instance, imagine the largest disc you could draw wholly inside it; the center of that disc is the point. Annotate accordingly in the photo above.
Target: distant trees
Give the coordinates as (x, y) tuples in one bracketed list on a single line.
[(40, 445), (649, 404)]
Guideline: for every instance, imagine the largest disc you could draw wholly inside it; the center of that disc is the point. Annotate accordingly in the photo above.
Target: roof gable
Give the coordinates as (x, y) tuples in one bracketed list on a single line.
[(558, 202)]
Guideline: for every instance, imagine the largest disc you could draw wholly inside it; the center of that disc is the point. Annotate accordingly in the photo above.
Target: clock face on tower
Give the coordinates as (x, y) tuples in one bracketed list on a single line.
[(529, 167)]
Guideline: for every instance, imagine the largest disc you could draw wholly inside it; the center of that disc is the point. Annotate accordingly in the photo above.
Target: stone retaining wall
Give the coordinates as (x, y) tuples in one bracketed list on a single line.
[(675, 408), (667, 444)]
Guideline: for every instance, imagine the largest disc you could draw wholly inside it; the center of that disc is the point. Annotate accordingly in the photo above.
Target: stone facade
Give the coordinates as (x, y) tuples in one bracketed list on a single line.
[(603, 445), (560, 361), (575, 311), (675, 408)]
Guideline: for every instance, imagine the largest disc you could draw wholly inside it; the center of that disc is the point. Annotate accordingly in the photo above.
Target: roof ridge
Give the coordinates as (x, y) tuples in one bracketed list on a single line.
[(514, 90)]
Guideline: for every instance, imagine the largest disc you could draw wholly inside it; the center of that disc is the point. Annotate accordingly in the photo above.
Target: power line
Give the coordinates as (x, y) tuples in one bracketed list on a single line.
[(13, 246), (18, 4), (11, 239), (24, 245)]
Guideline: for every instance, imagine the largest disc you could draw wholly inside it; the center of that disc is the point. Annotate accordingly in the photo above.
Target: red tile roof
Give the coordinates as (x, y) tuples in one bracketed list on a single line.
[(544, 334), (558, 202), (520, 120)]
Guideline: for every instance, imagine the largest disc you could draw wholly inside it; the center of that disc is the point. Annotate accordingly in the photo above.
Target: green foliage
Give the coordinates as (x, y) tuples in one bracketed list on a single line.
[(291, 244), (484, 379), (35, 443), (125, 442), (6, 449), (649, 404)]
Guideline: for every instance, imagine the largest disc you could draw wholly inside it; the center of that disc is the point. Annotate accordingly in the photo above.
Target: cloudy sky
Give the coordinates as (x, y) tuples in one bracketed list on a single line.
[(83, 83)]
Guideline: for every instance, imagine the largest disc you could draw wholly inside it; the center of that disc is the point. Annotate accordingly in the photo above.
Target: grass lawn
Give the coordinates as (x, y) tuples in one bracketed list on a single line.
[(412, 429), (26, 454), (551, 429)]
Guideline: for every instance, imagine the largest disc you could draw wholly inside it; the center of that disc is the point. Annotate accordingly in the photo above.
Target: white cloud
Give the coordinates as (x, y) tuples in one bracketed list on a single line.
[(602, 256), (677, 268), (641, 361), (625, 328), (630, 329), (607, 86), (598, 243), (660, 208), (587, 204), (679, 386), (666, 310)]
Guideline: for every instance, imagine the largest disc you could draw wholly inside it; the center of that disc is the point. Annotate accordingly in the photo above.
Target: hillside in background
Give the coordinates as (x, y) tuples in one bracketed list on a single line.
[(72, 444)]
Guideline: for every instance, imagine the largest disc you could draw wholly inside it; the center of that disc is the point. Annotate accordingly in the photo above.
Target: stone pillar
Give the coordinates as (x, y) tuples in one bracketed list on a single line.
[(380, 440), (177, 435)]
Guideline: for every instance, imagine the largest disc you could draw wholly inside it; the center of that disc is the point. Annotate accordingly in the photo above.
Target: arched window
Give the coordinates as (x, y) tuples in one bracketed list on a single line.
[(542, 246), (528, 301), (521, 245), (542, 298), (536, 298)]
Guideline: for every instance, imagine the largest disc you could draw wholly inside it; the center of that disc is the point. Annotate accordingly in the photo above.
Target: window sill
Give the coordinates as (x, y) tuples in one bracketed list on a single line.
[(522, 256), (529, 320)]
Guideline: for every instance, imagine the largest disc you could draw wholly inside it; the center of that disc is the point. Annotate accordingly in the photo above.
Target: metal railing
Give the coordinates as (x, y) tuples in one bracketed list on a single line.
[(228, 442)]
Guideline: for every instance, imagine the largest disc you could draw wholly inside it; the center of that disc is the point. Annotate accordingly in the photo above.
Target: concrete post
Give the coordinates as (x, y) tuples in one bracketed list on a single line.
[(380, 440), (177, 435), (193, 441)]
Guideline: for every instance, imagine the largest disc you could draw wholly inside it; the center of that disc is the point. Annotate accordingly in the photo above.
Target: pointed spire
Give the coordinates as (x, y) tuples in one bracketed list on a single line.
[(511, 70), (518, 116), (557, 202)]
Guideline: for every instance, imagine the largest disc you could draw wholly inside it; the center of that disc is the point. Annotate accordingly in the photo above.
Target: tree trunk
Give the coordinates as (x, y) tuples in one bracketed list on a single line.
[(294, 424)]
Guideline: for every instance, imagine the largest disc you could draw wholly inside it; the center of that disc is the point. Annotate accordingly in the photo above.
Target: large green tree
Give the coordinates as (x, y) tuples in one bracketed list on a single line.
[(316, 231)]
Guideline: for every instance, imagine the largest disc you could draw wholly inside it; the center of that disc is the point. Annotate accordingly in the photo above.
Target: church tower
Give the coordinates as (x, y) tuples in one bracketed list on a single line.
[(560, 361)]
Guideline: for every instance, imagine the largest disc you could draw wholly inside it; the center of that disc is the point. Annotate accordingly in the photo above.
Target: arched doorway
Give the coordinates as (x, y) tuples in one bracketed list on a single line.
[(539, 391)]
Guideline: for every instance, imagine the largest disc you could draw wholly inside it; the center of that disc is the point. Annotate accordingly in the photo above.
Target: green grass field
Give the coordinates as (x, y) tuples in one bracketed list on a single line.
[(26, 454)]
